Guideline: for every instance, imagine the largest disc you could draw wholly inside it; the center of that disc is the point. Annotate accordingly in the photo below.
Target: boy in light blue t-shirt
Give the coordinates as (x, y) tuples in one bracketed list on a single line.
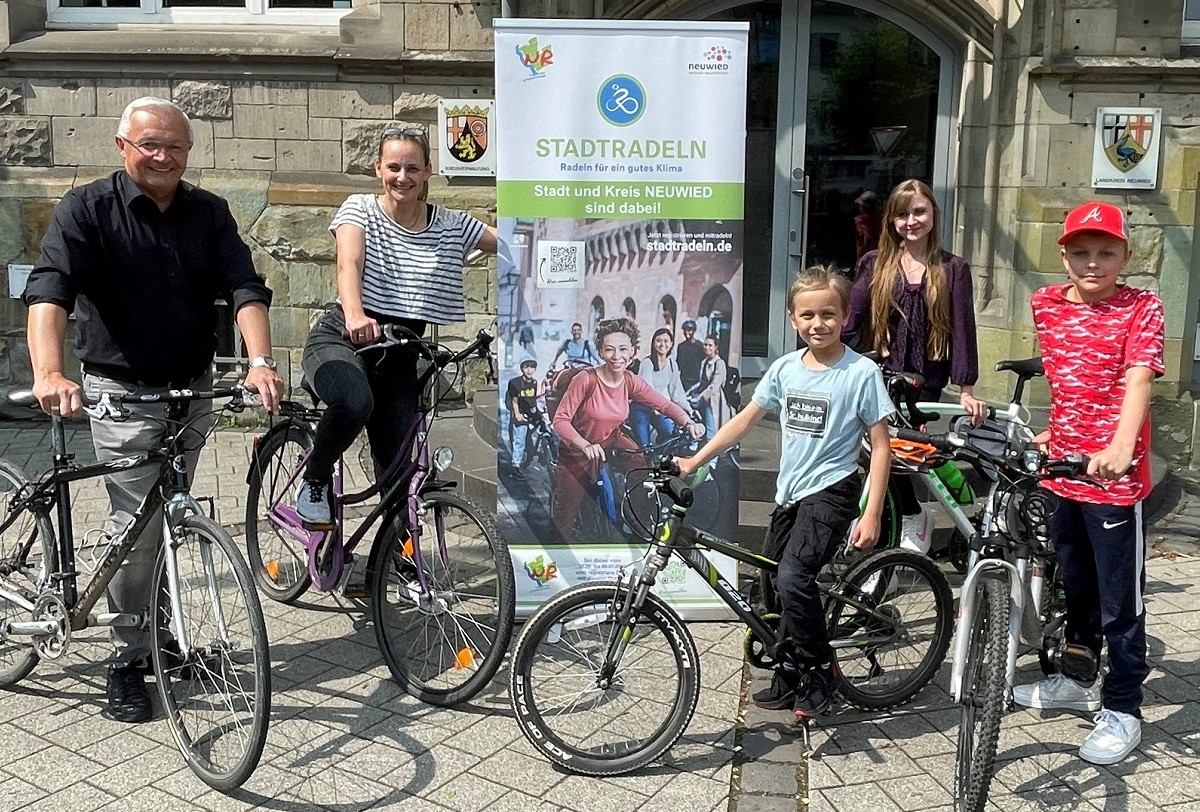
[(827, 396)]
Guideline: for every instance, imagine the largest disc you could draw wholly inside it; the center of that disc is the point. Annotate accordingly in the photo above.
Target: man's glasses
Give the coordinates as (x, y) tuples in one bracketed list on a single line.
[(151, 148), (403, 132)]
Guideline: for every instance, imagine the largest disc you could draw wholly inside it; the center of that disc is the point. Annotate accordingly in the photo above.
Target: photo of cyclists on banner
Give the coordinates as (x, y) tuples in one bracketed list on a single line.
[(621, 345)]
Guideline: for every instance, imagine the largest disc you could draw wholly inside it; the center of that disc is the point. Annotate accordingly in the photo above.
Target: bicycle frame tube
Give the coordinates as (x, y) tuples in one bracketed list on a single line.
[(702, 566), (412, 475), (125, 540)]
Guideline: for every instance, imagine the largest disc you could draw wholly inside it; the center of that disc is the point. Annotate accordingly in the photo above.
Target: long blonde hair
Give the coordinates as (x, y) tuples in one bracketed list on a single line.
[(888, 274)]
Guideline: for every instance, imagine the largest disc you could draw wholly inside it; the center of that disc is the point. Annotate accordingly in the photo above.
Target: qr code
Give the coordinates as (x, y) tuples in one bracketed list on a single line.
[(562, 258), (560, 264)]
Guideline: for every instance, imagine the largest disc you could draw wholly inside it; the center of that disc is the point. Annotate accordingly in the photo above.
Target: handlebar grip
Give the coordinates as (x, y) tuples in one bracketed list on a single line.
[(680, 493), (941, 442)]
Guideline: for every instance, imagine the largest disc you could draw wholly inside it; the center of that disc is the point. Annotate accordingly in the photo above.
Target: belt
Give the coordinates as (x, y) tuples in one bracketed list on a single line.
[(134, 378)]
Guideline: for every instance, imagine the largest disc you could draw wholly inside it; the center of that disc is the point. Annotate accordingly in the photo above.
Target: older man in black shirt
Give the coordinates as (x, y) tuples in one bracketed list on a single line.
[(141, 258)]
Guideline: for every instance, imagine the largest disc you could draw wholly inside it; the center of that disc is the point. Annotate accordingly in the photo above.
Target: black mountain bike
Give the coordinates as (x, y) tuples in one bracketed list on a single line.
[(606, 676)]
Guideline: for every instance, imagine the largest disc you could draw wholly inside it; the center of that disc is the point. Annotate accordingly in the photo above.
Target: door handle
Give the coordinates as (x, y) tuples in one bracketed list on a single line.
[(799, 219)]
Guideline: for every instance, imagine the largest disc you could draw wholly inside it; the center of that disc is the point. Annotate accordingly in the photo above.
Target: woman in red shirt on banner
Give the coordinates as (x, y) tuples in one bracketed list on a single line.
[(589, 417)]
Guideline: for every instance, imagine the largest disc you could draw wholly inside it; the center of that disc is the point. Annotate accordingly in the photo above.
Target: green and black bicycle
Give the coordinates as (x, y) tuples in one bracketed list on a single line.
[(606, 676)]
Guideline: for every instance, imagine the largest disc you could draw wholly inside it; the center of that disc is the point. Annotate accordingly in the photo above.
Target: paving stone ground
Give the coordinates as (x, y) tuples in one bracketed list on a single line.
[(344, 738)]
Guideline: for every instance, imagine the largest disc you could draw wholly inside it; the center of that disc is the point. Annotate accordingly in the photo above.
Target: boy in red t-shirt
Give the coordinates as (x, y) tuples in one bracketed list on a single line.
[(1102, 345)]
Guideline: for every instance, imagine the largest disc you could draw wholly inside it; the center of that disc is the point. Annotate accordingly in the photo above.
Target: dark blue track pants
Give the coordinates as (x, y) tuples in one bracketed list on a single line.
[(1101, 551)]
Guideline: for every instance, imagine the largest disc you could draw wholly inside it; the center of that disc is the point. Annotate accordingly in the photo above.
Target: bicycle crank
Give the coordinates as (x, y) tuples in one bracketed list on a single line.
[(50, 609)]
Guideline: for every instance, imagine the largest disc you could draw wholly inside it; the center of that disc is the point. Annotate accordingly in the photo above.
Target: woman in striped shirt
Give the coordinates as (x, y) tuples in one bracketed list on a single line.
[(399, 261)]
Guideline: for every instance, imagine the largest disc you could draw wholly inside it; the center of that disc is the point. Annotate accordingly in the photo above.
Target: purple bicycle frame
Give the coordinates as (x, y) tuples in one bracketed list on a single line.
[(285, 517)]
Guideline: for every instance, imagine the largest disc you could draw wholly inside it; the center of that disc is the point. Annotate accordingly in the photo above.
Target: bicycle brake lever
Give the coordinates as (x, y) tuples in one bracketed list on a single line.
[(105, 408)]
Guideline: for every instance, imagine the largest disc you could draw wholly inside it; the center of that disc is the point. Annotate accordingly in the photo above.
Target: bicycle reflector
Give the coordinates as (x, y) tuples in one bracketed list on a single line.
[(911, 451)]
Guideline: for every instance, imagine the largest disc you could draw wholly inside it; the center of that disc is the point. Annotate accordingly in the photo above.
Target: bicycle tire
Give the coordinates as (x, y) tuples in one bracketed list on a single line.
[(219, 652), (907, 587), (27, 557), (674, 687), (279, 563), (983, 696), (429, 668)]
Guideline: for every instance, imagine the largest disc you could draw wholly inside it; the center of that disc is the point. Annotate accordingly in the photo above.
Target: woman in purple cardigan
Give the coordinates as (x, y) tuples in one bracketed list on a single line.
[(912, 303)]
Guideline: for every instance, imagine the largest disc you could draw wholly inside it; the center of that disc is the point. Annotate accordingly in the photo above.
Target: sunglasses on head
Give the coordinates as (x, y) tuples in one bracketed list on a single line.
[(403, 132)]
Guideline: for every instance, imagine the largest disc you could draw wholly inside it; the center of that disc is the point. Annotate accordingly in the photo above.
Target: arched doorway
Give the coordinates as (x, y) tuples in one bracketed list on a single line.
[(595, 315), (842, 98), (716, 317), (668, 311)]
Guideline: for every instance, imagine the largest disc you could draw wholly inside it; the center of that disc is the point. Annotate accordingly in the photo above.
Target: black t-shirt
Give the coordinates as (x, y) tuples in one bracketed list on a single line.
[(690, 355), (524, 393)]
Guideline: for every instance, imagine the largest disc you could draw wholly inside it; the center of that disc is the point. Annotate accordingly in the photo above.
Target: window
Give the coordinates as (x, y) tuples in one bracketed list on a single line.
[(1191, 21), (196, 12)]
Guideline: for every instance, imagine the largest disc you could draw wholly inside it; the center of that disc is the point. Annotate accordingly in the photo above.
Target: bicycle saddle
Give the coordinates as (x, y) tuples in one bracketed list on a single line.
[(312, 393), (1029, 367), (21, 397)]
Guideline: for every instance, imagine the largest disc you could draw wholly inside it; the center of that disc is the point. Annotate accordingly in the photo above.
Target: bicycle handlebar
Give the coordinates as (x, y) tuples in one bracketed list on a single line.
[(666, 476), (1039, 465), (109, 405), (396, 335)]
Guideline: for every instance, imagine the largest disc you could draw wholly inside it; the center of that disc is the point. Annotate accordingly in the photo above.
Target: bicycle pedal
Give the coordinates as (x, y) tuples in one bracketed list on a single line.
[(316, 527)]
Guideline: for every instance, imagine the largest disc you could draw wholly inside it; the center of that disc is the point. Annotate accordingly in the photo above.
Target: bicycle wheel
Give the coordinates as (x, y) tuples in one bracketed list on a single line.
[(27, 557), (217, 696), (444, 644), (580, 712), (982, 703), (278, 560), (888, 649)]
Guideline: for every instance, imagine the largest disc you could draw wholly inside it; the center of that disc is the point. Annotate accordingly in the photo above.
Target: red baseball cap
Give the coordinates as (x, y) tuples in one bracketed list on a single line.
[(1102, 218)]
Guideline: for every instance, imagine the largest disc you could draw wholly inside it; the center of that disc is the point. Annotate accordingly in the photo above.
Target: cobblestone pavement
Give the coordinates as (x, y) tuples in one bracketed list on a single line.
[(344, 738), (342, 735)]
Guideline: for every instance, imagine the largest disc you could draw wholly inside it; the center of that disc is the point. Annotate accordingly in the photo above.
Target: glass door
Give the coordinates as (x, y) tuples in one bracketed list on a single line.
[(844, 100)]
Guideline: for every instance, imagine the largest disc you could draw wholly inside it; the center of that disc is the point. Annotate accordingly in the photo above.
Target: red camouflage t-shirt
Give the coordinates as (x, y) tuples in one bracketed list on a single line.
[(1087, 349)]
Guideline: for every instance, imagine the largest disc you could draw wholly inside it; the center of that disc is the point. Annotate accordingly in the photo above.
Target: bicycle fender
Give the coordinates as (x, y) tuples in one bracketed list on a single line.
[(281, 427), (430, 485), (966, 614)]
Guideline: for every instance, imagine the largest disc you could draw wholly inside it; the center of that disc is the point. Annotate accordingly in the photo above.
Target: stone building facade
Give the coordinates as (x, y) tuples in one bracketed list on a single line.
[(286, 118)]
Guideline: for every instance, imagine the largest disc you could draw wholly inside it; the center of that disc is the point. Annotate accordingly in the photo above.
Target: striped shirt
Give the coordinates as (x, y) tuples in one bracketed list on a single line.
[(412, 274)]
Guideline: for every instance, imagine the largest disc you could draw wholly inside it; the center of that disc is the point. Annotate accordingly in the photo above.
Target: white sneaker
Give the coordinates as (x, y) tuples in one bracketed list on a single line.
[(916, 532), (1115, 736), (1058, 692), (313, 503)]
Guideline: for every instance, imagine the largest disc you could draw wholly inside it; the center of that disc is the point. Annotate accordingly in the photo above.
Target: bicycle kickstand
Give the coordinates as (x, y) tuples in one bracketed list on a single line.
[(804, 771)]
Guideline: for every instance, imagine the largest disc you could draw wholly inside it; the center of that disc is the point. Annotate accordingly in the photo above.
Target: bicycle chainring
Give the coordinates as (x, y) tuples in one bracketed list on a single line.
[(52, 646), (758, 651)]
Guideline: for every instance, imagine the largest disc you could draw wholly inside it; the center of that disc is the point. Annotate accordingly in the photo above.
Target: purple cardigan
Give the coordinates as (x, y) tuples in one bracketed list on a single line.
[(908, 335)]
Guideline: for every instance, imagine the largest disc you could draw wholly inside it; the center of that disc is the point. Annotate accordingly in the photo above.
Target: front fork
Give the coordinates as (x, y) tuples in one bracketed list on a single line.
[(176, 509), (628, 613), (1023, 620)]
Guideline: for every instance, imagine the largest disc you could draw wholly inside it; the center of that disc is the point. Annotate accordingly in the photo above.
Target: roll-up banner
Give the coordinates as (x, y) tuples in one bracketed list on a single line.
[(620, 153)]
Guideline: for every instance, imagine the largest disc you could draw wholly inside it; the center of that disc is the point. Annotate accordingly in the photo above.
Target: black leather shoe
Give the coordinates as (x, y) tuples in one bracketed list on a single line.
[(128, 700)]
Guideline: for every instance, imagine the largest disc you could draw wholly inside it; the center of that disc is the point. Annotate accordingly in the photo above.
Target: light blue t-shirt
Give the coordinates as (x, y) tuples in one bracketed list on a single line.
[(823, 414)]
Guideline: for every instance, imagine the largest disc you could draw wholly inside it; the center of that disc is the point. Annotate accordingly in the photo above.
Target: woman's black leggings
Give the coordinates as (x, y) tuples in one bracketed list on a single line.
[(377, 389)]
